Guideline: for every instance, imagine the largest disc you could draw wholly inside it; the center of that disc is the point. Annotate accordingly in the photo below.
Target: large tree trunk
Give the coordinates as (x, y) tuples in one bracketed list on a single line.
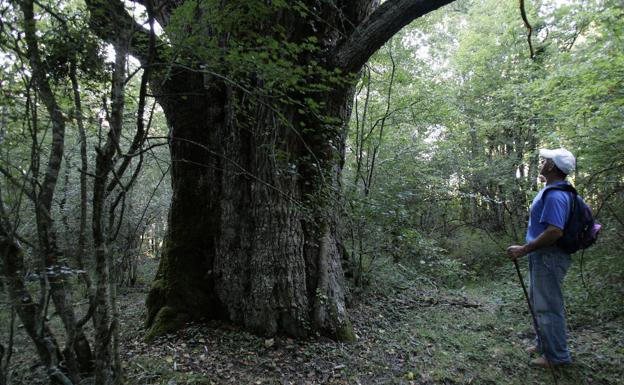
[(253, 223), (250, 239)]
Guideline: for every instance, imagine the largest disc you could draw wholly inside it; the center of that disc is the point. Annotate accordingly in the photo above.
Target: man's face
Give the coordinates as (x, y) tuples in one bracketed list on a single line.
[(546, 166)]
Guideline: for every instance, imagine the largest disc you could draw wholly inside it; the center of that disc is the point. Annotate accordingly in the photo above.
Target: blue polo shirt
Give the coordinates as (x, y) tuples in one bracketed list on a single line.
[(554, 210)]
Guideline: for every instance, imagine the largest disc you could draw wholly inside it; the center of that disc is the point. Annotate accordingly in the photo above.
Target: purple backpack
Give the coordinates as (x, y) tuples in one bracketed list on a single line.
[(581, 230)]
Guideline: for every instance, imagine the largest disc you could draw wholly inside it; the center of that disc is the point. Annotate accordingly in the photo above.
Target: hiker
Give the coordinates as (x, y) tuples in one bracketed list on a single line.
[(548, 263)]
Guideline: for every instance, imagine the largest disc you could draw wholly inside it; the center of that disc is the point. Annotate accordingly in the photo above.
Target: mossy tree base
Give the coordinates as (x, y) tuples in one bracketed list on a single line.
[(167, 320), (345, 332)]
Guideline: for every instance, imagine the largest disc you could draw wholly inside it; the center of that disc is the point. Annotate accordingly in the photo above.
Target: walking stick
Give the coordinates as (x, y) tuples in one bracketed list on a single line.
[(535, 324)]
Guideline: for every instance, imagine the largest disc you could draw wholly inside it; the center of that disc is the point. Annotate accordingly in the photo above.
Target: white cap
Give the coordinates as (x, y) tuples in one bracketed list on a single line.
[(563, 159)]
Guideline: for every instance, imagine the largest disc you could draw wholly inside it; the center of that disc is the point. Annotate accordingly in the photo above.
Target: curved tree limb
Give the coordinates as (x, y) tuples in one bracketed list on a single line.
[(162, 9), (109, 19), (378, 28)]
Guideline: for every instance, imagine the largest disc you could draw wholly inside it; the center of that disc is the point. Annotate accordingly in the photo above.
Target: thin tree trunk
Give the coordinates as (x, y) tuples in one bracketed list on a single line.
[(29, 311), (82, 232), (107, 370), (77, 351)]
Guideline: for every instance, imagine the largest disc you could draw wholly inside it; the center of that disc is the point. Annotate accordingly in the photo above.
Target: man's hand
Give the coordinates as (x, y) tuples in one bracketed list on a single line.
[(547, 238), (516, 251)]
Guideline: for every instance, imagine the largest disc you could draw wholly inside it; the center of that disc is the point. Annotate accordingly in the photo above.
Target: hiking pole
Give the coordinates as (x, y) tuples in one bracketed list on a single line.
[(538, 331)]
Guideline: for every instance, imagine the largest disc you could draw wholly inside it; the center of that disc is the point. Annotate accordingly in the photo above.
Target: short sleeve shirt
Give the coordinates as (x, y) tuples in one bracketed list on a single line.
[(553, 210)]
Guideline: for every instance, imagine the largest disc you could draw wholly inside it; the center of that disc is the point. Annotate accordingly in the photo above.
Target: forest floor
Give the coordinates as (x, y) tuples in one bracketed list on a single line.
[(408, 333)]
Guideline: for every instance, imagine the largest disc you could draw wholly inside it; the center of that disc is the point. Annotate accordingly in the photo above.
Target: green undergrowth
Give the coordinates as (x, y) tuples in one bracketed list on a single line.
[(478, 334), (595, 286)]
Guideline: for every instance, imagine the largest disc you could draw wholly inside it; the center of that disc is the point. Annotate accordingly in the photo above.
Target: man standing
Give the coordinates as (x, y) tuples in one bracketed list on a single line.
[(548, 263)]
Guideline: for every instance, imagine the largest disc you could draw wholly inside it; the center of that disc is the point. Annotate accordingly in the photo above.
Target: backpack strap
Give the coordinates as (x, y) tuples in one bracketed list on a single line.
[(568, 188), (562, 187)]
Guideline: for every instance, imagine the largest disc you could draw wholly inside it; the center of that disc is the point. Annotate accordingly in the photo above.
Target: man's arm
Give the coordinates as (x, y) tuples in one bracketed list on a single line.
[(547, 238)]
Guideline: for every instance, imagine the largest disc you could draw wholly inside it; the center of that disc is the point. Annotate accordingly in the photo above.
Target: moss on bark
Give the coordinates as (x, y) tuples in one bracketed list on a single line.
[(344, 329), (345, 332), (166, 321), (155, 300)]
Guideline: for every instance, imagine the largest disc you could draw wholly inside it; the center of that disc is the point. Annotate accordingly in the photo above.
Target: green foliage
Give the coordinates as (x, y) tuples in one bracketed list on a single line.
[(454, 167), (483, 256), (407, 330), (423, 254), (247, 44), (25, 136), (595, 293), (76, 42)]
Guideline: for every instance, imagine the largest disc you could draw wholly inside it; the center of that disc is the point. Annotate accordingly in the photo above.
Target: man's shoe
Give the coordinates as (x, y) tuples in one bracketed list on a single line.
[(542, 362), (532, 349), (539, 362)]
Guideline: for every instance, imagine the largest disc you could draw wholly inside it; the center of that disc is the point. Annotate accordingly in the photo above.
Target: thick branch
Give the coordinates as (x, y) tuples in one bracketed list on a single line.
[(162, 9), (141, 134), (378, 28), (109, 19)]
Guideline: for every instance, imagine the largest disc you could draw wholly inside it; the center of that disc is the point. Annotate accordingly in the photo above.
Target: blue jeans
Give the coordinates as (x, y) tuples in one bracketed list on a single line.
[(547, 268)]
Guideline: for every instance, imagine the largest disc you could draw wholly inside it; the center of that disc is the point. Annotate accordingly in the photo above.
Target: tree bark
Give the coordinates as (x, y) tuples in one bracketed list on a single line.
[(250, 238), (84, 168)]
